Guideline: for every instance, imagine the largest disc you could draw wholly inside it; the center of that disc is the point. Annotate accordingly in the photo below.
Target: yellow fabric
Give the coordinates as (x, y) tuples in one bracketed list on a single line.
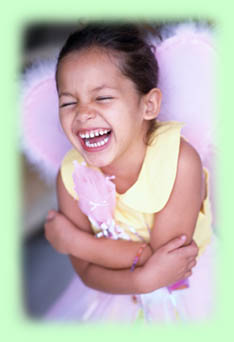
[(136, 207)]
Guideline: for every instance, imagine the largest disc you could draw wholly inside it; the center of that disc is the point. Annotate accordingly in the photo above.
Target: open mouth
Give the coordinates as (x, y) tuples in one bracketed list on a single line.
[(95, 139)]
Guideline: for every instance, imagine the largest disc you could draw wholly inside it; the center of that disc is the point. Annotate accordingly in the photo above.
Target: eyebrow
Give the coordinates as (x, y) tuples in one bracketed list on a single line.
[(103, 86), (65, 94)]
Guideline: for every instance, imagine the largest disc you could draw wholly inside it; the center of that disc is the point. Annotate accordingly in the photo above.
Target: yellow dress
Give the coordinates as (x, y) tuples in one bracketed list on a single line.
[(135, 209)]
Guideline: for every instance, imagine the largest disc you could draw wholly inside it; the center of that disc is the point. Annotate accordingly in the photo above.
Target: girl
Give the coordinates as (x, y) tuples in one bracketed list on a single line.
[(108, 101)]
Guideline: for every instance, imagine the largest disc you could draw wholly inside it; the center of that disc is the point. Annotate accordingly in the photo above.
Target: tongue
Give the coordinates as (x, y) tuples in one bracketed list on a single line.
[(97, 139)]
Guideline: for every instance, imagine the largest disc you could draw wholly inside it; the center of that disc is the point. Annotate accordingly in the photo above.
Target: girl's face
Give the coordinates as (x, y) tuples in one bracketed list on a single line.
[(101, 112)]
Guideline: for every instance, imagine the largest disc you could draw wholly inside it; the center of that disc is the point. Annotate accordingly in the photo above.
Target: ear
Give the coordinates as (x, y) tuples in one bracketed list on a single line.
[(152, 104)]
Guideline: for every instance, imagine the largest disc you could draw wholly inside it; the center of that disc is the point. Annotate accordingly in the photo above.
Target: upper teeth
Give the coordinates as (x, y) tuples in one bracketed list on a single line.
[(93, 134)]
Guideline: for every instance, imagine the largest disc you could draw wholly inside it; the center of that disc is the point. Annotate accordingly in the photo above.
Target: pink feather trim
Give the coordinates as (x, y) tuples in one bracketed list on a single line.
[(43, 139)]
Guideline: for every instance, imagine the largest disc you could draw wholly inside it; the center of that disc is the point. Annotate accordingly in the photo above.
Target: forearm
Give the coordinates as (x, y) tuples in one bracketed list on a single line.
[(114, 254), (159, 271), (112, 281)]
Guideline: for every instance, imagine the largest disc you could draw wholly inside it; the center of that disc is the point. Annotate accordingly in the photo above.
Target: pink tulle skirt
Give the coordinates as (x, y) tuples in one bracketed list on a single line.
[(196, 303)]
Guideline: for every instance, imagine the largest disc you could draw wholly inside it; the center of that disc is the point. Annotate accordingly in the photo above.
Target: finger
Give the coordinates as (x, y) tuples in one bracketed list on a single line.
[(50, 216), (193, 243), (188, 274), (175, 243), (190, 251), (194, 247), (190, 259), (192, 264)]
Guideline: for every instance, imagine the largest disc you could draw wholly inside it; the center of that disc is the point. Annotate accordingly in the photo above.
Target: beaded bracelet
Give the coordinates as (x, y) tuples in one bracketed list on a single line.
[(137, 257)]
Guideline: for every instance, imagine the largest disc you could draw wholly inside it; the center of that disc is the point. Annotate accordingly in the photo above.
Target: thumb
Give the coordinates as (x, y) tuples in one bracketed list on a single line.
[(175, 243)]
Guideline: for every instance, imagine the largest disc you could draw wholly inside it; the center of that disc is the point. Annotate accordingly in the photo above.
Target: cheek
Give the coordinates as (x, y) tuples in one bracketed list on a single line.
[(65, 120)]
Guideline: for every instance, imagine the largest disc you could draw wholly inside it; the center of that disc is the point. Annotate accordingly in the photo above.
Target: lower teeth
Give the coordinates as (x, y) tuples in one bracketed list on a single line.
[(100, 143)]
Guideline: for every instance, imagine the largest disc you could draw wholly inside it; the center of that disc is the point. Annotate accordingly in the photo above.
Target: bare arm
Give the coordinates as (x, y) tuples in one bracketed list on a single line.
[(160, 270), (179, 216)]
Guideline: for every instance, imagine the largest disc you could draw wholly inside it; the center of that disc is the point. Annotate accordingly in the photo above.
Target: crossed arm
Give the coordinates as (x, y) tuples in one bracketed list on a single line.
[(104, 264)]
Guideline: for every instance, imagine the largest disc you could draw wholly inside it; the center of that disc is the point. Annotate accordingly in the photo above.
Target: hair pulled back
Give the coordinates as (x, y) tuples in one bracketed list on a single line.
[(126, 41)]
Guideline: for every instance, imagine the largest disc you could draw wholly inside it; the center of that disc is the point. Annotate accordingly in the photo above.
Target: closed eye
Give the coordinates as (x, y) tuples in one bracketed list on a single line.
[(67, 104), (104, 98)]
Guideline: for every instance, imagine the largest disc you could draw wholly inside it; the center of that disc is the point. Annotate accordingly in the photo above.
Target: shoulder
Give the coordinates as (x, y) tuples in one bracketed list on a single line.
[(189, 161), (188, 154), (189, 175)]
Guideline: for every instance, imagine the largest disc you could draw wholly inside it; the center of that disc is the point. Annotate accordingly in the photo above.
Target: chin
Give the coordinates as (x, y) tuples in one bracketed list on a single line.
[(96, 161)]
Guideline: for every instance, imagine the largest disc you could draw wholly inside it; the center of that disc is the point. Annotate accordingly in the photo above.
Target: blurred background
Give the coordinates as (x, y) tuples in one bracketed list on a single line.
[(46, 273)]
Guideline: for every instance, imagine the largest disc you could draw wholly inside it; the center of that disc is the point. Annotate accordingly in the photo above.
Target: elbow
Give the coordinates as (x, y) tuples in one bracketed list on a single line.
[(81, 269), (84, 276)]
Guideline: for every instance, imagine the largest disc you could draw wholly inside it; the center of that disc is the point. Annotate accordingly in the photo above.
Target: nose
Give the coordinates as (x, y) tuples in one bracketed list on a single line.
[(85, 113)]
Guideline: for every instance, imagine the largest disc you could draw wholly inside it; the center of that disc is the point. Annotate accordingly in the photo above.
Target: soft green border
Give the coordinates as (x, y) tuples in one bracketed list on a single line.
[(15, 327)]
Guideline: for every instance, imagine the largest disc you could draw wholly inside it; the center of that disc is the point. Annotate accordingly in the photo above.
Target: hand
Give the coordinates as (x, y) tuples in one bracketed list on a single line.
[(169, 264), (58, 231)]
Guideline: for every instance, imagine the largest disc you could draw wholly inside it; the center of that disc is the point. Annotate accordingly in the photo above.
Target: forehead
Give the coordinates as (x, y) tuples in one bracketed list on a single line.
[(90, 64)]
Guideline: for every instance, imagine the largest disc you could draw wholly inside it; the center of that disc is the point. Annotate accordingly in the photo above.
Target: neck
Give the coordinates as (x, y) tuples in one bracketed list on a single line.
[(127, 169)]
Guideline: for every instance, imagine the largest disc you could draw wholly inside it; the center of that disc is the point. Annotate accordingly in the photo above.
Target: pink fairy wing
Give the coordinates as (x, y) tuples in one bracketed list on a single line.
[(44, 142), (96, 193), (187, 79)]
